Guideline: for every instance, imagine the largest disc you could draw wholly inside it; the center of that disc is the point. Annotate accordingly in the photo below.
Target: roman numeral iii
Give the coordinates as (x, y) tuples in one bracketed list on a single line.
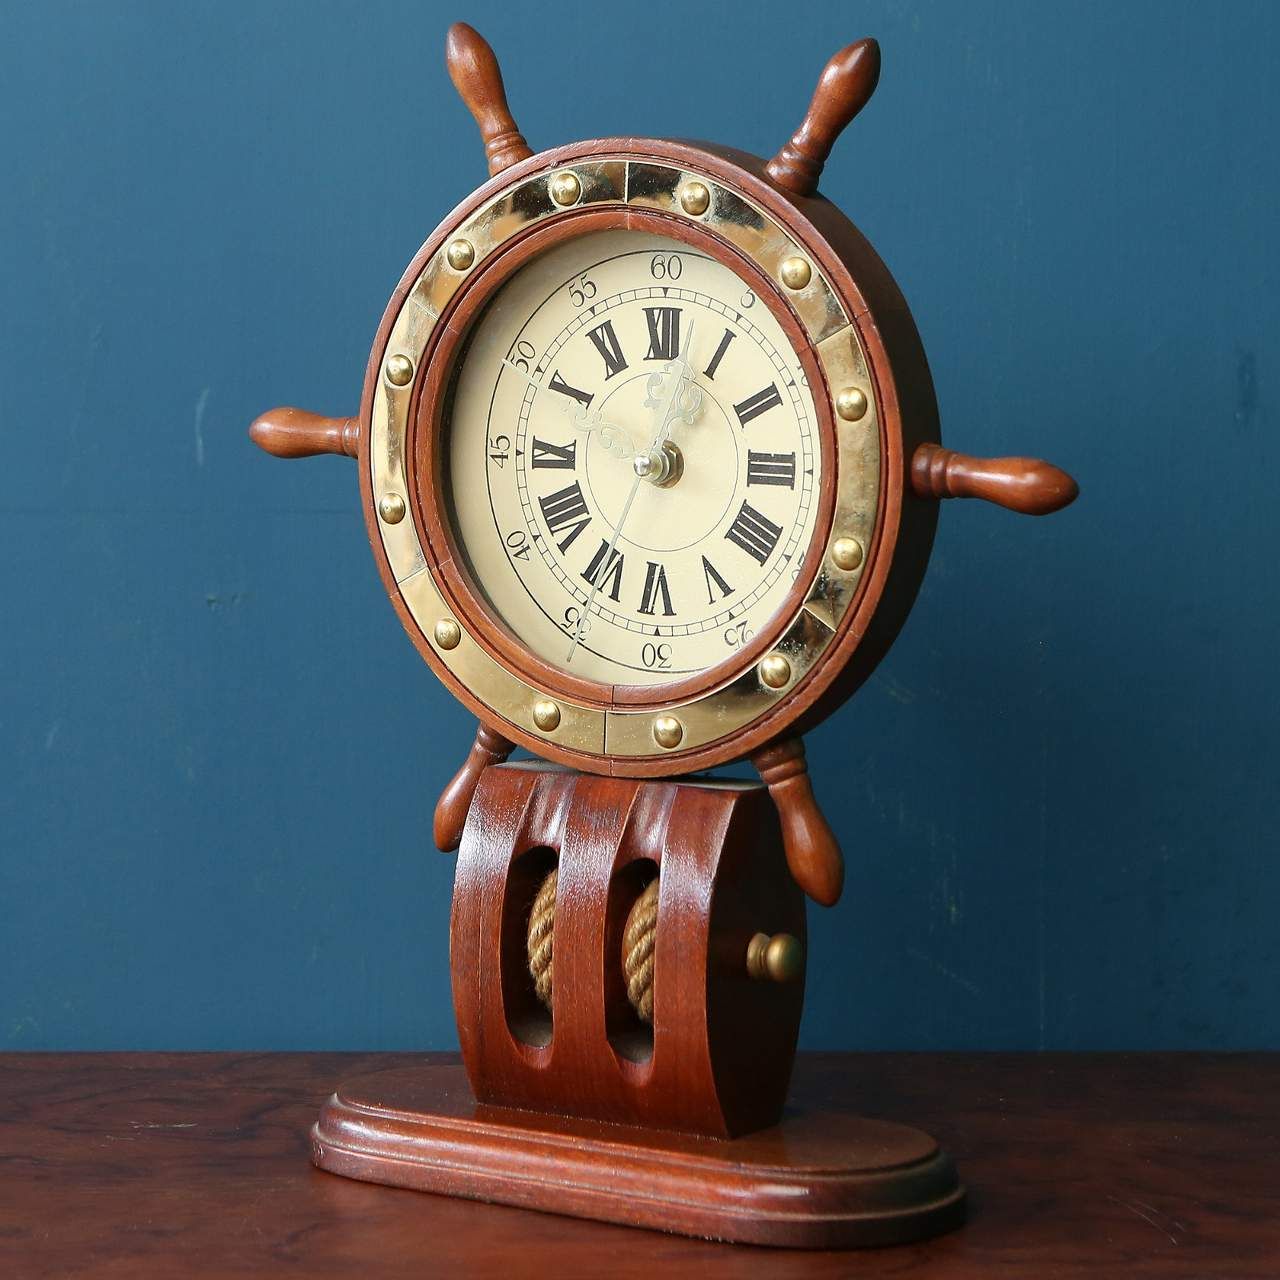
[(606, 343), (767, 468), (565, 510), (756, 534), (664, 332), (761, 402), (655, 585)]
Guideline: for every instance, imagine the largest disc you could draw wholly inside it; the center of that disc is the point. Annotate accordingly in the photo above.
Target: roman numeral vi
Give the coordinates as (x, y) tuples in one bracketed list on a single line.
[(655, 585)]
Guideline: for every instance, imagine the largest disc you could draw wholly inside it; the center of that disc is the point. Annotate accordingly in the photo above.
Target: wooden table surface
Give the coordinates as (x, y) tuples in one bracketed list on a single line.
[(140, 1165)]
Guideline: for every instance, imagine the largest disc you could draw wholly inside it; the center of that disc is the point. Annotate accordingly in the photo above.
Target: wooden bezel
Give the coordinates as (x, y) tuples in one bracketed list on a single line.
[(426, 476), (849, 327)]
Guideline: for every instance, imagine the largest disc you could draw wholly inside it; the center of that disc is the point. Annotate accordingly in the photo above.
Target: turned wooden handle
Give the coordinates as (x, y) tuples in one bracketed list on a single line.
[(845, 87), (295, 433), (812, 852), (451, 809), (473, 68), (1021, 484)]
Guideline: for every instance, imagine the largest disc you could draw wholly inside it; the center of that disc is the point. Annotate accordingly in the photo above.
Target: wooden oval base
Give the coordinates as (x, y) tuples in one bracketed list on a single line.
[(822, 1179)]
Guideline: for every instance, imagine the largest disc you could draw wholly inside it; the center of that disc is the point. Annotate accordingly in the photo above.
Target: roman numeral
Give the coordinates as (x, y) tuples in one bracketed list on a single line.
[(606, 576), (757, 535), (564, 456), (557, 383), (565, 510), (664, 332), (655, 585), (762, 468), (754, 406), (710, 370), (606, 343), (714, 579)]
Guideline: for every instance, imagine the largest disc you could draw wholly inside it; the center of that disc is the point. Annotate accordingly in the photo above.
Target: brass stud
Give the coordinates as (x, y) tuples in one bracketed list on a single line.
[(775, 670), (795, 273), (847, 553), (566, 189), (546, 715), (448, 633), (779, 959), (667, 731), (391, 508), (851, 404), (461, 254), (399, 371), (694, 198)]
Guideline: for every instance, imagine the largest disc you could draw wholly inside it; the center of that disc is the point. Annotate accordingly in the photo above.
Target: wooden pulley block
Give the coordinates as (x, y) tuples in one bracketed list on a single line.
[(644, 1002), (628, 974)]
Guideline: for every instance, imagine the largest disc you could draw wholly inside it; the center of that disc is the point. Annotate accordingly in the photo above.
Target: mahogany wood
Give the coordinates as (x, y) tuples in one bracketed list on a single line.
[(907, 413), (718, 1055), (825, 1179), (1079, 1166), (488, 748), (295, 433), (812, 851), (845, 87), (473, 68), (1028, 485)]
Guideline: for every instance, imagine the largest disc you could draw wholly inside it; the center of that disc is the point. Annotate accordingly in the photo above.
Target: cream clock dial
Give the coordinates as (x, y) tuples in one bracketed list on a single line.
[(633, 460)]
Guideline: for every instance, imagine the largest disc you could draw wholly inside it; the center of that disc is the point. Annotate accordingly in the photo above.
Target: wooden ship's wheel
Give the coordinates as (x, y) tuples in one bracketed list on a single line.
[(649, 457)]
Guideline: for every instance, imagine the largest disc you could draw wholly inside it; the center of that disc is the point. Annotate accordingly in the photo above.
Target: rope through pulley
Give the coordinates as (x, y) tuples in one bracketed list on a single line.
[(637, 945)]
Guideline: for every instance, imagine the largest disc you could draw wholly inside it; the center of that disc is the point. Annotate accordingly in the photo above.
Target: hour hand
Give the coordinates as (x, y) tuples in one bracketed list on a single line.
[(614, 439), (673, 394)]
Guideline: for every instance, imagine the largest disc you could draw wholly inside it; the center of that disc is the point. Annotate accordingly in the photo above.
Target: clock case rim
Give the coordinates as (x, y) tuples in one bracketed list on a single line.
[(907, 415), (426, 494)]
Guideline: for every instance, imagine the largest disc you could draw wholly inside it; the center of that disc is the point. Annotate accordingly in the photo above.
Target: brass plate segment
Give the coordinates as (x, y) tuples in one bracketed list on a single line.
[(652, 185)]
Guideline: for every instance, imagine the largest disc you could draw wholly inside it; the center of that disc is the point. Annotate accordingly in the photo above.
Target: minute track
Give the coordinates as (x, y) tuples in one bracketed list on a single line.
[(596, 361)]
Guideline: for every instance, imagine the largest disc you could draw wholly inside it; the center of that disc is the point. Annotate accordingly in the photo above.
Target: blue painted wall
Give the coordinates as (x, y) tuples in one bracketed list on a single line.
[(219, 752)]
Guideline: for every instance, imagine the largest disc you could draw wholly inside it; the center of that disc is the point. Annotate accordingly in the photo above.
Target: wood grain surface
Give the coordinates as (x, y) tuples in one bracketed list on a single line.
[(198, 1165), (717, 1057), (827, 1178)]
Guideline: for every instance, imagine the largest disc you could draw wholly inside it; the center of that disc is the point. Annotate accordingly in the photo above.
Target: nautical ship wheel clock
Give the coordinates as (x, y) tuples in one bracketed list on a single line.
[(649, 458)]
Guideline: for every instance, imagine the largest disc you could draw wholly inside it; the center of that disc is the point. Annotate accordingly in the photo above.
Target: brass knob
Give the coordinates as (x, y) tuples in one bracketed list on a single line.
[(779, 958)]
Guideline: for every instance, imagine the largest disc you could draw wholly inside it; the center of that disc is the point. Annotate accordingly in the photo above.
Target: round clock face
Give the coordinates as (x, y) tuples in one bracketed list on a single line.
[(632, 459)]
